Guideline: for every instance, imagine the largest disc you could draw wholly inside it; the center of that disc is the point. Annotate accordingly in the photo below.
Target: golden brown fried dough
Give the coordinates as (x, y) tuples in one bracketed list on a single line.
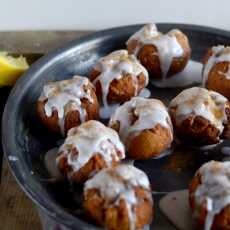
[(220, 221), (144, 126), (76, 108), (216, 70), (148, 47), (87, 149), (112, 208), (199, 116)]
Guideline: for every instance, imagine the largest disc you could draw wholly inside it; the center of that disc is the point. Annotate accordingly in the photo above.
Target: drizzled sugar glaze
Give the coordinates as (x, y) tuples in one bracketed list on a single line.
[(219, 54), (148, 113), (64, 96), (118, 184), (200, 102), (214, 189), (115, 66), (88, 139), (167, 45)]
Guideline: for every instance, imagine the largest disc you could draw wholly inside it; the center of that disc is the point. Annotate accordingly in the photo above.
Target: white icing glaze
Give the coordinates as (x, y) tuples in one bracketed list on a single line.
[(219, 54), (106, 111), (148, 31), (149, 113), (118, 183), (146, 93), (65, 96), (201, 102), (192, 74), (88, 139), (115, 66), (167, 45), (181, 218), (214, 189), (51, 165)]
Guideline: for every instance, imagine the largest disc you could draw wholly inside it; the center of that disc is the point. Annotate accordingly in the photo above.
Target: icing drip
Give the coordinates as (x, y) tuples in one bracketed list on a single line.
[(147, 32), (167, 45), (115, 66), (192, 74), (149, 113), (118, 184), (226, 74), (88, 139), (145, 93), (214, 190), (50, 164), (64, 96), (201, 102), (219, 54)]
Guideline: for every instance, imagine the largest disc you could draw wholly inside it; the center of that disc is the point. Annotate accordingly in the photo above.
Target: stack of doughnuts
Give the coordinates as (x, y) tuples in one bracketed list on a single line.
[(117, 195)]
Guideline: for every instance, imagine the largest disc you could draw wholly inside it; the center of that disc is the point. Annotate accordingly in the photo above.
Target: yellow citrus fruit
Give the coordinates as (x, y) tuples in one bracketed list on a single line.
[(11, 68)]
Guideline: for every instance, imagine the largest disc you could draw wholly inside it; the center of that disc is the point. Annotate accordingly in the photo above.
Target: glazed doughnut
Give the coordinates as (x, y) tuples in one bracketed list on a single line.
[(163, 55), (209, 196), (144, 125), (200, 116), (66, 104), (119, 198), (216, 71), (87, 149), (118, 77)]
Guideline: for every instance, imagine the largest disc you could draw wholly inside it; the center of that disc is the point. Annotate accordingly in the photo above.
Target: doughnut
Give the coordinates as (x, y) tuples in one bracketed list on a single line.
[(209, 196), (87, 149), (118, 77), (144, 126), (200, 116), (163, 55), (216, 71), (119, 198), (67, 103)]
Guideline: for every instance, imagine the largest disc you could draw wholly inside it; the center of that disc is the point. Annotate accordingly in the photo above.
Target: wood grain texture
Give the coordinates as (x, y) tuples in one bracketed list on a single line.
[(36, 42), (16, 210)]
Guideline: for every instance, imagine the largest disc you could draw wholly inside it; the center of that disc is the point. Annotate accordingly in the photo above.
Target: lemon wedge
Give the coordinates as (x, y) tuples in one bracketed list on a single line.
[(11, 68)]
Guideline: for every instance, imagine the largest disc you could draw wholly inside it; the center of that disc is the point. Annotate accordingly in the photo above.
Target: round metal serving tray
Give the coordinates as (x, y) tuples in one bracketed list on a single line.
[(25, 141)]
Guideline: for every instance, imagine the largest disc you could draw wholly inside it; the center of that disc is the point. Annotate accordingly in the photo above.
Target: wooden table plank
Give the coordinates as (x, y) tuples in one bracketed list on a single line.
[(28, 42), (16, 210)]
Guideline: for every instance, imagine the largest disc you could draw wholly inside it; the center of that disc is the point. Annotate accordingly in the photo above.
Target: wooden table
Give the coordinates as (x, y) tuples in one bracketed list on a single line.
[(16, 210)]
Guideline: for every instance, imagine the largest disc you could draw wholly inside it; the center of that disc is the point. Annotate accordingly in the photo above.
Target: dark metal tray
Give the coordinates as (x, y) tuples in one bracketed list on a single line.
[(25, 141)]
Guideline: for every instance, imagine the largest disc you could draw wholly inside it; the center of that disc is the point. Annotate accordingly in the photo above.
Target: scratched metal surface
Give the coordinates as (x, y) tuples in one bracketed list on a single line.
[(30, 141)]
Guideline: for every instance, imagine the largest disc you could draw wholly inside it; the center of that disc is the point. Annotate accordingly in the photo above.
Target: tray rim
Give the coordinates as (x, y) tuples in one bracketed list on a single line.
[(61, 215)]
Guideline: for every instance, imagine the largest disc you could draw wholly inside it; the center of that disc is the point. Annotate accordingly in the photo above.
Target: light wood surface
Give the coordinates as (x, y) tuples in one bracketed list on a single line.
[(17, 212), (36, 42)]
